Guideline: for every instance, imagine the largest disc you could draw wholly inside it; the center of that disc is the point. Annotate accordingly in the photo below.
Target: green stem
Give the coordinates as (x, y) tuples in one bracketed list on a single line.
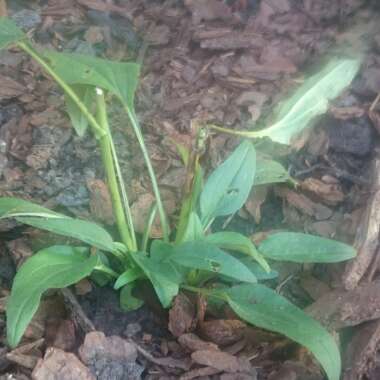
[(148, 228), (108, 162), (99, 132), (156, 191)]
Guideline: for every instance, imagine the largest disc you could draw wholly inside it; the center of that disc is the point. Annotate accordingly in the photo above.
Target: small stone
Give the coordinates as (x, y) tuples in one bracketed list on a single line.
[(132, 329)]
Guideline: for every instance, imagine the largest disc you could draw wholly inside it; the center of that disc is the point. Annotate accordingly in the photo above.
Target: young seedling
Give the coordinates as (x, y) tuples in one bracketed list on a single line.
[(190, 257)]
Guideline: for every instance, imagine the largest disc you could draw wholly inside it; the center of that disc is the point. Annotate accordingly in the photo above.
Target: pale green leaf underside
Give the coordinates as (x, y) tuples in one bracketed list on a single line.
[(266, 309), (304, 248), (10, 33), (311, 100), (43, 218), (228, 186), (54, 267), (269, 171)]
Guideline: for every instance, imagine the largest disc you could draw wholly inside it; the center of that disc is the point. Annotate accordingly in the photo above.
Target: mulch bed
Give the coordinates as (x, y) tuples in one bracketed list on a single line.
[(222, 62)]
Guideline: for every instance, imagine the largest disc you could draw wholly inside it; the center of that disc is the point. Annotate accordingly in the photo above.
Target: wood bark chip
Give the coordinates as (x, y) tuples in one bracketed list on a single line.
[(341, 308), (362, 351), (61, 365), (367, 238), (221, 360)]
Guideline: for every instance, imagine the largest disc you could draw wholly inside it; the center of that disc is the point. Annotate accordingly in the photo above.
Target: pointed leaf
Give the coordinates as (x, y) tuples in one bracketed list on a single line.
[(194, 230), (127, 277), (311, 99), (86, 94), (10, 33), (205, 256), (45, 219), (304, 248), (54, 267), (228, 187), (161, 276), (120, 78), (266, 309), (237, 242), (269, 171)]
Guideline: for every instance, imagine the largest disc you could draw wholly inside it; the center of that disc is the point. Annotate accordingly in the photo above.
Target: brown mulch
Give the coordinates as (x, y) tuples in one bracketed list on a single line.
[(225, 62)]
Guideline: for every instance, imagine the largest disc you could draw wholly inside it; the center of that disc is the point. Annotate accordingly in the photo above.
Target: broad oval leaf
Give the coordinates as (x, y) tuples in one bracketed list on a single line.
[(304, 248), (164, 280), (237, 242), (228, 187), (120, 78), (264, 308), (311, 99), (269, 171), (45, 219), (208, 257), (10, 33), (54, 267), (86, 94)]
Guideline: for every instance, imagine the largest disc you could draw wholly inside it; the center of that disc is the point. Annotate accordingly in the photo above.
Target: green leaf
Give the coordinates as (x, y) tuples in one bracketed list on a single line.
[(269, 171), (164, 281), (304, 248), (228, 187), (10, 33), (54, 267), (194, 230), (237, 242), (120, 78), (45, 219), (127, 301), (205, 256), (127, 277), (86, 94), (266, 309), (311, 99)]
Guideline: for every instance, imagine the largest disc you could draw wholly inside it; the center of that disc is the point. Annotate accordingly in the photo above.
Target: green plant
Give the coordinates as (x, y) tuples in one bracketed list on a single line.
[(190, 257)]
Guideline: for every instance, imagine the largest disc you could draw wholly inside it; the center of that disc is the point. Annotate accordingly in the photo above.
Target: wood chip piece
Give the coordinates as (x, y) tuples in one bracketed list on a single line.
[(221, 360), (193, 343)]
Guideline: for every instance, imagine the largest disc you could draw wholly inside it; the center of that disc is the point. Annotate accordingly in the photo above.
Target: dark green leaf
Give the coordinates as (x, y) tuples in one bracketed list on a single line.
[(127, 301), (164, 281), (266, 309), (86, 94), (205, 256), (54, 267), (269, 171), (127, 277), (10, 33), (120, 78), (43, 218), (228, 187), (237, 242), (303, 248)]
